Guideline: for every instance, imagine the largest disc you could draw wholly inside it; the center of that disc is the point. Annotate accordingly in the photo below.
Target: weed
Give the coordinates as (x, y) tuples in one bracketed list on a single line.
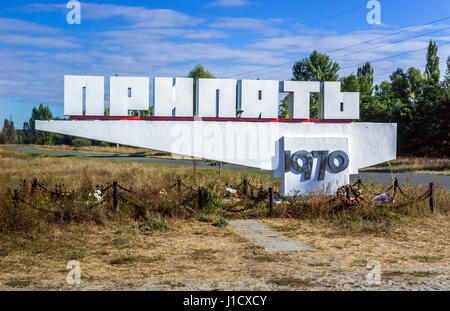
[(428, 259), (222, 222), (123, 260), (204, 254), (150, 225), (359, 263), (291, 282), (319, 264), (412, 273), (18, 283)]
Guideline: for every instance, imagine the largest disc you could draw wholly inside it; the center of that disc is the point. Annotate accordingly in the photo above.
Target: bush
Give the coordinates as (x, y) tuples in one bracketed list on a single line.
[(104, 144), (151, 224), (81, 142)]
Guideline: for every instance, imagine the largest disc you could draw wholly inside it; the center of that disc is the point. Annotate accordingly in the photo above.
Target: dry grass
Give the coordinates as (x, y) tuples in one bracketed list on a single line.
[(121, 150), (75, 172), (421, 241), (149, 180), (120, 254), (414, 164), (175, 244)]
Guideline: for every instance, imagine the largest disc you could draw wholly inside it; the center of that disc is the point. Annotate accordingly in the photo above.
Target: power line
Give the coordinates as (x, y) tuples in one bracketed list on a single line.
[(313, 23), (392, 43), (346, 47), (421, 66), (392, 56), (310, 24), (391, 34)]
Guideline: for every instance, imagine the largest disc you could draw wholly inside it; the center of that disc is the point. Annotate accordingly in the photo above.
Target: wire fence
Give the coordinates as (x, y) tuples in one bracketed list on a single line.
[(197, 198)]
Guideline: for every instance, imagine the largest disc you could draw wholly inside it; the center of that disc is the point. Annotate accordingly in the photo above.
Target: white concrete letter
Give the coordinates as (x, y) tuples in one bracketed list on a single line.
[(216, 98), (173, 97), (128, 93), (258, 98), (299, 96), (334, 104), (90, 89)]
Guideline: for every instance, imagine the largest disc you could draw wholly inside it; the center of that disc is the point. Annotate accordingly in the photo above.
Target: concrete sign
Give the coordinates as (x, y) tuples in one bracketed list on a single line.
[(236, 122)]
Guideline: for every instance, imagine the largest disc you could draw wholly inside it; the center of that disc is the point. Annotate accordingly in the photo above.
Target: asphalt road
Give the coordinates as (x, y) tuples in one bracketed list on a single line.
[(382, 178)]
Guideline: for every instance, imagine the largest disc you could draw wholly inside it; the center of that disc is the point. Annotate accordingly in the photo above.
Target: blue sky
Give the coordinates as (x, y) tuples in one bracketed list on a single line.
[(231, 38)]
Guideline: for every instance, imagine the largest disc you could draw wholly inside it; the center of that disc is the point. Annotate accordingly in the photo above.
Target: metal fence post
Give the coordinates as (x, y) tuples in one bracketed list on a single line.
[(115, 196), (431, 197), (347, 196), (179, 182), (33, 186), (24, 187), (271, 201), (16, 199), (202, 197), (395, 186)]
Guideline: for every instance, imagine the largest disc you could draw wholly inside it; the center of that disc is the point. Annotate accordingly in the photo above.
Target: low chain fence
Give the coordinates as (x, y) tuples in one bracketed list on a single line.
[(232, 199)]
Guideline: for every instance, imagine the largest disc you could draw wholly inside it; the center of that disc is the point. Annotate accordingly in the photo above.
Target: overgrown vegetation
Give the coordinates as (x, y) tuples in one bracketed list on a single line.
[(156, 198), (415, 164), (412, 99)]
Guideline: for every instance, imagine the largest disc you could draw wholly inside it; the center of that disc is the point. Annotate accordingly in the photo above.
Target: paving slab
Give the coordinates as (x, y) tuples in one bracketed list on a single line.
[(264, 236)]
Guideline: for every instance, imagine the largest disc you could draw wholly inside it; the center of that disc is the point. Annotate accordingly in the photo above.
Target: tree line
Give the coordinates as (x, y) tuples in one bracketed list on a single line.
[(417, 101)]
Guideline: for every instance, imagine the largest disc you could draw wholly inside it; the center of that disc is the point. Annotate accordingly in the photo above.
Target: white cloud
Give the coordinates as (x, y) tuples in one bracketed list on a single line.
[(15, 25), (261, 26), (139, 16), (169, 43), (229, 3)]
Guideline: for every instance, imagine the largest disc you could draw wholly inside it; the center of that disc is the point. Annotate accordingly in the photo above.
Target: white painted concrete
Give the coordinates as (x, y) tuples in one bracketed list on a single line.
[(216, 98), (331, 98), (254, 144), (258, 98), (73, 95), (299, 95), (331, 182), (121, 102), (173, 97)]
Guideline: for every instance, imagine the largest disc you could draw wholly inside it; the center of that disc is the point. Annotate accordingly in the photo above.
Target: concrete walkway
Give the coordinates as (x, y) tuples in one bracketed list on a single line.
[(264, 236)]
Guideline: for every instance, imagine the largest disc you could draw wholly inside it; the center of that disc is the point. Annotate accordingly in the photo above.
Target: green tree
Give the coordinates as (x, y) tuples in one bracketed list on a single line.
[(317, 67), (400, 85), (8, 134), (447, 74), (283, 108), (415, 83), (432, 72), (32, 136), (200, 72), (350, 83), (365, 80)]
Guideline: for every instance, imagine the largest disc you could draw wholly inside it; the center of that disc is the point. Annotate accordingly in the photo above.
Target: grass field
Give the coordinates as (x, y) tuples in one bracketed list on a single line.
[(174, 246), (402, 164), (414, 164)]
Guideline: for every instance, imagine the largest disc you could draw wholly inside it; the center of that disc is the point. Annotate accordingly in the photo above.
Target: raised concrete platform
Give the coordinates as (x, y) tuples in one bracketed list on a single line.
[(264, 236)]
